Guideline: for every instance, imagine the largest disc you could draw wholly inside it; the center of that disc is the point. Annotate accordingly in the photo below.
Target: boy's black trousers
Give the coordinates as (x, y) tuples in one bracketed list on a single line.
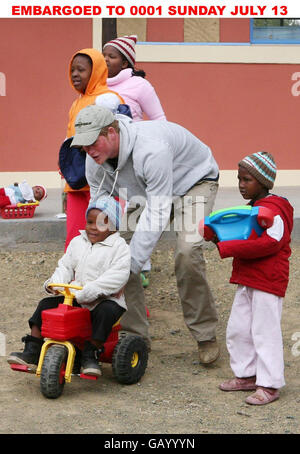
[(103, 316)]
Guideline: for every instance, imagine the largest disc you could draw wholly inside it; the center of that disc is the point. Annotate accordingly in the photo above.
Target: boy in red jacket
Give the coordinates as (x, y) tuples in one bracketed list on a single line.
[(261, 270)]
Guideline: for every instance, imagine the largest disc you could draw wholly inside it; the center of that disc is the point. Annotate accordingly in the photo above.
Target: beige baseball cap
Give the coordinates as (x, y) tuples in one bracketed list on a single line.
[(89, 123)]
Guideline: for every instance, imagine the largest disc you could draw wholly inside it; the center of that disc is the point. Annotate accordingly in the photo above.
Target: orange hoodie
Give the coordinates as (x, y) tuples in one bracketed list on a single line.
[(96, 86)]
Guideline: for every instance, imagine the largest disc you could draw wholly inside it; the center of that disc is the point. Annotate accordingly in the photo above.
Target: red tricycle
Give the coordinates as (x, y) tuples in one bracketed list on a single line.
[(67, 327)]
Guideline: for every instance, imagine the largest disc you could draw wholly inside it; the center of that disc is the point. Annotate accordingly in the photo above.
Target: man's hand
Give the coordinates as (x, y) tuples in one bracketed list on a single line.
[(215, 239), (119, 293), (52, 290)]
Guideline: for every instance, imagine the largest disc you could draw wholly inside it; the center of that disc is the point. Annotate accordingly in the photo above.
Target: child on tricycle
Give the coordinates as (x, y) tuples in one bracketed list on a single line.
[(98, 261)]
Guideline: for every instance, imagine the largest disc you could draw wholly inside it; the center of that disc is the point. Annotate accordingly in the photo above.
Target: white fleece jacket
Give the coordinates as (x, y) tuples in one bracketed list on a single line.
[(102, 269), (158, 160)]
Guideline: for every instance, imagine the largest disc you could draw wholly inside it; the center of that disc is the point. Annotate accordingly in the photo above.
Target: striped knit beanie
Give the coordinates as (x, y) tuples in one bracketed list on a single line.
[(110, 207), (261, 166), (125, 45)]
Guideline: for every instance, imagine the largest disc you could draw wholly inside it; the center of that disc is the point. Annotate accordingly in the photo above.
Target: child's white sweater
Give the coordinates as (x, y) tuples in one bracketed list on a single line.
[(102, 269)]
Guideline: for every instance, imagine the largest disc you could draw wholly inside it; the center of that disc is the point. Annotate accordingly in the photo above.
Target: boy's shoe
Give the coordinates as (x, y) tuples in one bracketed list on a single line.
[(90, 360), (145, 278), (239, 384), (263, 396), (30, 355), (77, 362), (209, 351)]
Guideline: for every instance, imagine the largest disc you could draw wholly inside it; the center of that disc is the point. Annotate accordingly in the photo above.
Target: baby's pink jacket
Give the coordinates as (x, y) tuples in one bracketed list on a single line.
[(139, 94)]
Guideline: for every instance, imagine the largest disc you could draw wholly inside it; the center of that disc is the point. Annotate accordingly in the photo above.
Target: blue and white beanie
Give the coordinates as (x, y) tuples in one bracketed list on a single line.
[(110, 207), (261, 166)]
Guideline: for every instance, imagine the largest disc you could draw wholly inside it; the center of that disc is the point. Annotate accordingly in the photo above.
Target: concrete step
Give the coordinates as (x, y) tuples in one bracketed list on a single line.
[(46, 227)]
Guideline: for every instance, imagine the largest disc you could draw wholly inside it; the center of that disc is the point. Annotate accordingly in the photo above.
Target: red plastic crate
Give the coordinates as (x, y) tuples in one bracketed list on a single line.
[(18, 212), (66, 323)]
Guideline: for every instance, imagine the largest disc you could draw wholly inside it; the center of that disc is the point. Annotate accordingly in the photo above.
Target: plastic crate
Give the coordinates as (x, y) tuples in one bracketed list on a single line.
[(19, 211), (66, 322)]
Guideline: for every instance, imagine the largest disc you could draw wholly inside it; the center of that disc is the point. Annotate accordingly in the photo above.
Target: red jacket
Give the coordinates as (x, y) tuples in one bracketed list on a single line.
[(263, 263)]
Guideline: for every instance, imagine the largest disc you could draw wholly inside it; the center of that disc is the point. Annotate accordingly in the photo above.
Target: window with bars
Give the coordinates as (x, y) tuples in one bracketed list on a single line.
[(275, 31)]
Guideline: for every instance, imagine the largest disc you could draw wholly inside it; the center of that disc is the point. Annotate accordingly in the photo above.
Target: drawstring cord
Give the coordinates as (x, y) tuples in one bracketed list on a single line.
[(102, 182), (115, 181)]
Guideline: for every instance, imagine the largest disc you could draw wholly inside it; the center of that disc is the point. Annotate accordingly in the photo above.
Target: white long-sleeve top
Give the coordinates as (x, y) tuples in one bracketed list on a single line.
[(102, 269)]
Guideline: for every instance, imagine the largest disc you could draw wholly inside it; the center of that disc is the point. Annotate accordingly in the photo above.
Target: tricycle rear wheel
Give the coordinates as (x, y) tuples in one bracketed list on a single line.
[(52, 374), (130, 359)]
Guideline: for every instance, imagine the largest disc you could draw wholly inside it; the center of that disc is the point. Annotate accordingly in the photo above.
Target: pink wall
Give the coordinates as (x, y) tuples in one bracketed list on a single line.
[(234, 30), (172, 30), (34, 56), (165, 30), (237, 109)]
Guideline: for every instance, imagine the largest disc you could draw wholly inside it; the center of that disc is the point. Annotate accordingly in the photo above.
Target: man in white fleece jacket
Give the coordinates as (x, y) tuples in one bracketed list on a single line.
[(169, 171)]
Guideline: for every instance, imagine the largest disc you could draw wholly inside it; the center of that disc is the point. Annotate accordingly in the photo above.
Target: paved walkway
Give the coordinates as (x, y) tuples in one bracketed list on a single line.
[(47, 227)]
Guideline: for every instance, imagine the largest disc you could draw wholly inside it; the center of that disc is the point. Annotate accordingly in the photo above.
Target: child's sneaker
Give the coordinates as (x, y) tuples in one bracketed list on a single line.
[(90, 360), (30, 355), (145, 278), (263, 396), (77, 362), (239, 384)]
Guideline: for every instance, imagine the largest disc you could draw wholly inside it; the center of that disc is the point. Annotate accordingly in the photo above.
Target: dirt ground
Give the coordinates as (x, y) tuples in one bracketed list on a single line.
[(177, 395)]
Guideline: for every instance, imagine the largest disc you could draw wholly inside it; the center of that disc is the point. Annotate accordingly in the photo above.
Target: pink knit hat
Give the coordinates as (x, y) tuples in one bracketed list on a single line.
[(125, 45)]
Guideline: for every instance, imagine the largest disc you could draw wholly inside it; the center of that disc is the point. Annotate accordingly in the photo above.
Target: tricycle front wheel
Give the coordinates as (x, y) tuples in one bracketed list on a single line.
[(52, 374)]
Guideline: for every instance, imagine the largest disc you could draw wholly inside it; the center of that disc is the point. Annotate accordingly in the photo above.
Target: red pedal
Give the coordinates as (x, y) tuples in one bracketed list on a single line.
[(88, 377), (20, 368)]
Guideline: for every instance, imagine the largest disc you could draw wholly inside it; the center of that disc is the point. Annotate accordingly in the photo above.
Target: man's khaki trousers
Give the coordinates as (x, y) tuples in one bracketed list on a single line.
[(198, 304)]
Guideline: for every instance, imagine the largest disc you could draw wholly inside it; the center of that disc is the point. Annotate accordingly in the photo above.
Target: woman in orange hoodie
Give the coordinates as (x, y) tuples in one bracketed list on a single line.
[(88, 75)]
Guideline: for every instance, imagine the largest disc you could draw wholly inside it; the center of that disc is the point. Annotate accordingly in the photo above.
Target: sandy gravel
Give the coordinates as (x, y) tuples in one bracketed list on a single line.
[(177, 395)]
